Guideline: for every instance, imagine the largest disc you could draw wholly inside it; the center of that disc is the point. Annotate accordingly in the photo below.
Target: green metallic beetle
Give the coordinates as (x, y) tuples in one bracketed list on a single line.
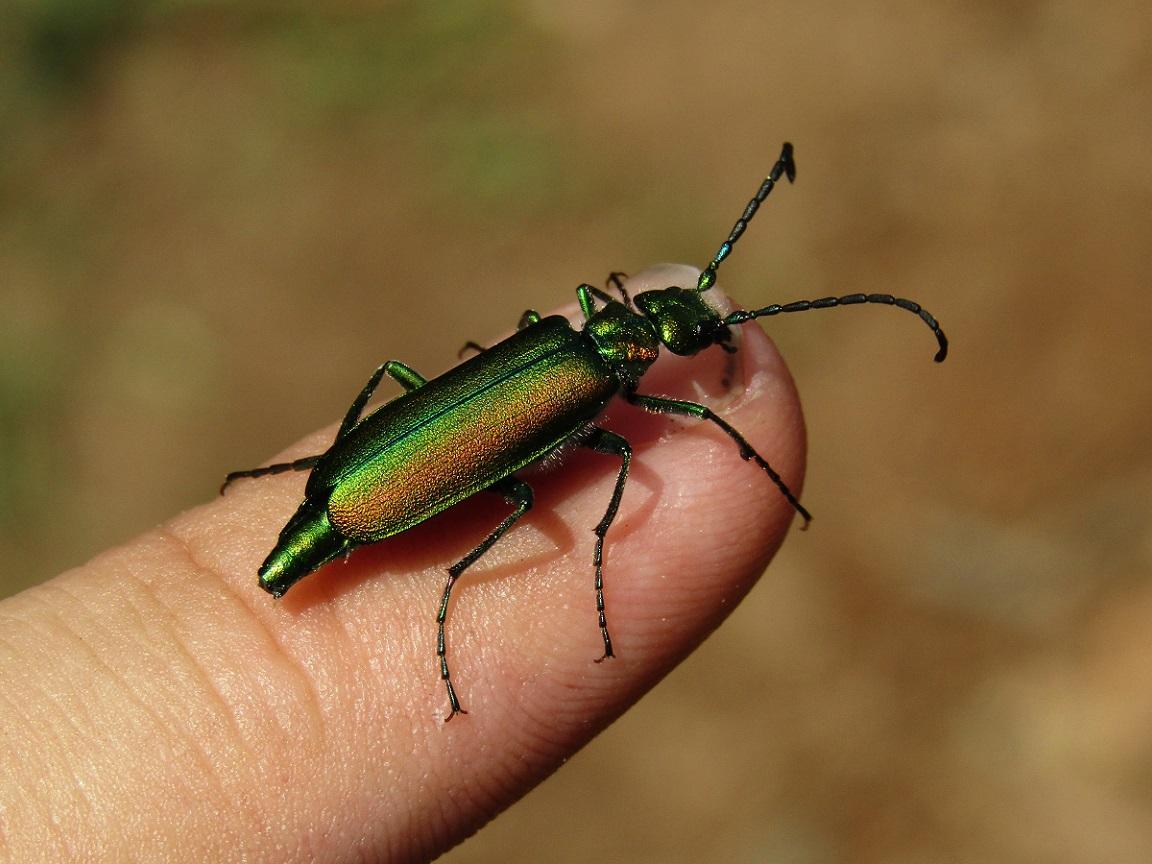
[(474, 427)]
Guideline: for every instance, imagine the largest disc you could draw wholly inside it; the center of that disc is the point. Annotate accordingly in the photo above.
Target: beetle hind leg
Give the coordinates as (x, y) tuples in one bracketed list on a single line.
[(515, 492), (303, 464), (405, 376), (609, 443)]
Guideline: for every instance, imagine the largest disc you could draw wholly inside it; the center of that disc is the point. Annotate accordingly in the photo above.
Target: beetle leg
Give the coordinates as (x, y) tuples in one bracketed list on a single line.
[(516, 492), (603, 441), (407, 378), (616, 280), (279, 468), (470, 346), (661, 405), (585, 294), (589, 294), (530, 317)]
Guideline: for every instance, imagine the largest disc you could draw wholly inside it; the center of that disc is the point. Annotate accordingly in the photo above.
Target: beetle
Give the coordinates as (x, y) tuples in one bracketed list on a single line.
[(513, 404)]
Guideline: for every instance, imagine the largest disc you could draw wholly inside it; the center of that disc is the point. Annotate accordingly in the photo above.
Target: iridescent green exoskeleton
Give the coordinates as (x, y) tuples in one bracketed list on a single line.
[(474, 427)]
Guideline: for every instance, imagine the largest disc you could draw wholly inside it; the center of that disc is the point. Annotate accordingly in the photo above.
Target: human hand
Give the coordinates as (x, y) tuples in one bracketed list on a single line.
[(157, 705)]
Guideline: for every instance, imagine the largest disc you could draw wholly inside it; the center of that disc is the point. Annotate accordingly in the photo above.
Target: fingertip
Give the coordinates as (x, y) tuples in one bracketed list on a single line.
[(699, 523), (723, 517)]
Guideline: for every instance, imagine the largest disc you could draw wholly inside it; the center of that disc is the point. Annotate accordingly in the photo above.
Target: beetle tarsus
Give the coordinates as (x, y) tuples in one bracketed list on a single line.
[(453, 702), (616, 280)]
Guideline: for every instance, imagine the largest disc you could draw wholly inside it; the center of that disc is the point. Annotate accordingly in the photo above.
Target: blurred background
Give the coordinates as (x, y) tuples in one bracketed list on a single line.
[(217, 217)]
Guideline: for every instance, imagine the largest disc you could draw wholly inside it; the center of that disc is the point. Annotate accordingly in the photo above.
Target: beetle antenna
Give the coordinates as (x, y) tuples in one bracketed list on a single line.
[(785, 167), (739, 317)]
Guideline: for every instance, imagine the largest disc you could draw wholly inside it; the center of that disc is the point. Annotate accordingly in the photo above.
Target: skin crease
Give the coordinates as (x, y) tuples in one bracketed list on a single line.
[(156, 705)]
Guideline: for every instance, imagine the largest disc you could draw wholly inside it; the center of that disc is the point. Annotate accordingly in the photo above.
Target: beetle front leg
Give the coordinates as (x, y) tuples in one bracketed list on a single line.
[(616, 280), (661, 405), (587, 294), (603, 441), (516, 492)]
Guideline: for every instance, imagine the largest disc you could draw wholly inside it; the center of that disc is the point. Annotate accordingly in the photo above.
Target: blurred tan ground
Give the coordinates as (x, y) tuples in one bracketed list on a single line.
[(216, 218)]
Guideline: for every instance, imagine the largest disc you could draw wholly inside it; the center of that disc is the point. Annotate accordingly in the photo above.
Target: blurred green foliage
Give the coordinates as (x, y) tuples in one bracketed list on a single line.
[(115, 114), (61, 42)]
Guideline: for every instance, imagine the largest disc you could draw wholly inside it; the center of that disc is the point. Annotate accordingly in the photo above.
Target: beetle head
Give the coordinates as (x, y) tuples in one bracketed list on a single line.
[(685, 322)]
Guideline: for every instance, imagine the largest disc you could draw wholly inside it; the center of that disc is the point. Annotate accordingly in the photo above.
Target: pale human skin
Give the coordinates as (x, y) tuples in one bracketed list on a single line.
[(156, 705)]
